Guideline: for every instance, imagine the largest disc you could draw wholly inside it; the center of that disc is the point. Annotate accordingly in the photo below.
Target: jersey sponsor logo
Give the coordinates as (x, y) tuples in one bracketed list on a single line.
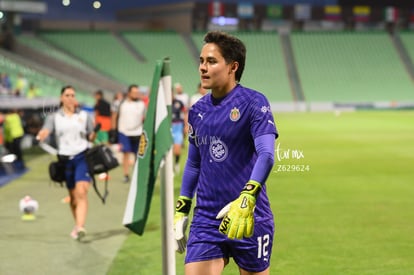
[(218, 150), (234, 114), (190, 130), (224, 225), (143, 144), (265, 109)]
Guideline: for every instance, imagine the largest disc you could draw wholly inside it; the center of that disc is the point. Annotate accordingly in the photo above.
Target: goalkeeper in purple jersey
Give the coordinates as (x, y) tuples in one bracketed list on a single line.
[(231, 153)]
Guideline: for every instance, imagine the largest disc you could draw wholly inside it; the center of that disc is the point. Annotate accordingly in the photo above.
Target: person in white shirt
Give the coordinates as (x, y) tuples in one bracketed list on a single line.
[(129, 123), (181, 95), (73, 131), (199, 94)]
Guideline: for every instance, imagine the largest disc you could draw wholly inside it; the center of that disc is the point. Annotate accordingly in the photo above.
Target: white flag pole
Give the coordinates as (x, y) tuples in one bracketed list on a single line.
[(167, 214), (167, 198)]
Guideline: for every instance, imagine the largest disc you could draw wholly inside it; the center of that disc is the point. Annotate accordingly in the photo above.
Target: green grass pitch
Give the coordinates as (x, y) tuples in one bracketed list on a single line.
[(342, 192)]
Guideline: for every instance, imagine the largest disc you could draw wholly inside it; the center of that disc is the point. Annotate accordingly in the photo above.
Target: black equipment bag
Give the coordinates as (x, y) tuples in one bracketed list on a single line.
[(100, 159), (57, 171)]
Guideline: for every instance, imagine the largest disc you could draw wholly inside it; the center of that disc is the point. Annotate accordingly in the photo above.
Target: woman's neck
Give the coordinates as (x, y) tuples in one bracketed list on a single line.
[(222, 92), (68, 110)]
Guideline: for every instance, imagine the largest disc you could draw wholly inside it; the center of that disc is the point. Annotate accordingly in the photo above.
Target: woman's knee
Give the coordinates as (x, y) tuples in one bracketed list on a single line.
[(81, 189)]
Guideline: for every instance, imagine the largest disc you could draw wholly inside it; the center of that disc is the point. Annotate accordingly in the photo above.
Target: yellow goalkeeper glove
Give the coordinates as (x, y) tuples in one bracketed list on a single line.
[(238, 221), (180, 222)]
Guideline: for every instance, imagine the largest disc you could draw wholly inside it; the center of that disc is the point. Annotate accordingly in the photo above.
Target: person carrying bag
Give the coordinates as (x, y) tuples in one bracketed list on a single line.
[(73, 131)]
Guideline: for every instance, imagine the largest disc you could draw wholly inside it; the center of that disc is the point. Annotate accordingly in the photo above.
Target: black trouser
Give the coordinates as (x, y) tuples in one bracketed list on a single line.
[(15, 148)]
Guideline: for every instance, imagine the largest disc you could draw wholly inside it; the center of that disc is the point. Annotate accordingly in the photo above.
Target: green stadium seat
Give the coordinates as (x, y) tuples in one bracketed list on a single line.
[(42, 46), (350, 67), (265, 68), (48, 86), (158, 45), (101, 50)]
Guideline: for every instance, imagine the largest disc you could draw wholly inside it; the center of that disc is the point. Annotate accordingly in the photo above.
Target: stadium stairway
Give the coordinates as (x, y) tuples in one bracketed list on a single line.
[(403, 54), (191, 47), (101, 51), (157, 45), (133, 51), (292, 71)]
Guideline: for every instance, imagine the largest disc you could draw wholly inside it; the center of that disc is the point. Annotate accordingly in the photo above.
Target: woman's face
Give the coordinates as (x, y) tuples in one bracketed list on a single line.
[(215, 73), (68, 99)]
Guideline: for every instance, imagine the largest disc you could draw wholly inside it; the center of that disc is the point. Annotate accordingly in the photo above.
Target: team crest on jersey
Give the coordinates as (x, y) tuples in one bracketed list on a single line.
[(218, 150), (143, 145), (234, 114)]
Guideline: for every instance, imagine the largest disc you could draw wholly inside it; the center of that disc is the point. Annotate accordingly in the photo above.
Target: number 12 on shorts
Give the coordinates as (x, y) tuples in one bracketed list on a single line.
[(263, 246)]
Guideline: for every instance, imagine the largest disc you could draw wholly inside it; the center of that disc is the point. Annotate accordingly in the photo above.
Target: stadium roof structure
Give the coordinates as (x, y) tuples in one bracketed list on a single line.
[(84, 10), (105, 10), (33, 6)]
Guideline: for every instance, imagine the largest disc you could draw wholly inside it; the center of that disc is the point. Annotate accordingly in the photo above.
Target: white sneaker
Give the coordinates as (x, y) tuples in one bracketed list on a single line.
[(78, 233)]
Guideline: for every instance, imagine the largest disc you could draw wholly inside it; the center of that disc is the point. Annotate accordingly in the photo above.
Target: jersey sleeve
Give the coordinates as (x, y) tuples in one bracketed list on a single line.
[(191, 172), (50, 122), (265, 147), (262, 121)]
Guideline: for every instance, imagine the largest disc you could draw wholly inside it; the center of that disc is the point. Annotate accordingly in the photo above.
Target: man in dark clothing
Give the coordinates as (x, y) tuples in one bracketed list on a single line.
[(102, 116)]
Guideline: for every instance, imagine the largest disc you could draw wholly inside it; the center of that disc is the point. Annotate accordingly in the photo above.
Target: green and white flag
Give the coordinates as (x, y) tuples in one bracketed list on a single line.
[(154, 143)]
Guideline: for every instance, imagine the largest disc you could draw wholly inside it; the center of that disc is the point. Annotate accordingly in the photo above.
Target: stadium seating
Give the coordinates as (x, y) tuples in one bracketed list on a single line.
[(338, 67), (47, 85), (265, 68), (157, 45), (350, 67), (38, 44), (265, 65), (408, 41), (99, 49)]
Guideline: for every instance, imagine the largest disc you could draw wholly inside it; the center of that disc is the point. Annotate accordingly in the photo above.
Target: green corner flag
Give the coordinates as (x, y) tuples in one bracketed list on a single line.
[(155, 141)]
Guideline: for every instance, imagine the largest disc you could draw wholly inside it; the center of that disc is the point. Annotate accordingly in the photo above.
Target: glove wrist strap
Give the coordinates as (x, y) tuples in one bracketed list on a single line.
[(252, 188), (183, 205)]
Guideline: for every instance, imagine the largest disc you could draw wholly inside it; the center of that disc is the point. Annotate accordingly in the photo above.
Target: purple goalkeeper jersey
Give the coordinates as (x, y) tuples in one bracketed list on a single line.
[(224, 133)]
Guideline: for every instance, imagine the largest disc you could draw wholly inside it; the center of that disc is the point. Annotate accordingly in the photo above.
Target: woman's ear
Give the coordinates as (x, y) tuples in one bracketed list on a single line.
[(234, 66)]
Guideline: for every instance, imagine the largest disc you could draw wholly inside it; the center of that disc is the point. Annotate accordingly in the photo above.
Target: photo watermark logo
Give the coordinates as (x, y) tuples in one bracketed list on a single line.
[(291, 156)]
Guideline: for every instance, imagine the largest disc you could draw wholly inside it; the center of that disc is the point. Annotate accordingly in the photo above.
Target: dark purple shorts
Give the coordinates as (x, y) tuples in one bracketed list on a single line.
[(251, 254)]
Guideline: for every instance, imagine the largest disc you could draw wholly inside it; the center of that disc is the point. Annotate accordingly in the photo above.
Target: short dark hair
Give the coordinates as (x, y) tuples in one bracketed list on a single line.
[(99, 92), (64, 88), (231, 48), (130, 87)]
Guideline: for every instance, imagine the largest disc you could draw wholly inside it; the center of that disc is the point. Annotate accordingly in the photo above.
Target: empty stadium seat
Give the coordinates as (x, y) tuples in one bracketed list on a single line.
[(350, 67)]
